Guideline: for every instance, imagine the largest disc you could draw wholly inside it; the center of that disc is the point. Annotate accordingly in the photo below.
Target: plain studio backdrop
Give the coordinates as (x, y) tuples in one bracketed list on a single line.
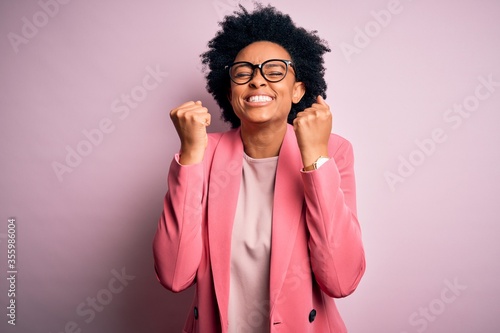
[(86, 142)]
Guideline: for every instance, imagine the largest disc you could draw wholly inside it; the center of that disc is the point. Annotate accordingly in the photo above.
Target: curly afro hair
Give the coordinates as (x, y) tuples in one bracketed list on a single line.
[(264, 24)]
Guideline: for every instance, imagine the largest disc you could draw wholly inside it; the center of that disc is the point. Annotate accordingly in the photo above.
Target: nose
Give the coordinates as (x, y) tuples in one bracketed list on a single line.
[(257, 79)]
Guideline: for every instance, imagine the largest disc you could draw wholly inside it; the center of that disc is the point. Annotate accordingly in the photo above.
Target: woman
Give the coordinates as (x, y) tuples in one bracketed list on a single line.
[(261, 218)]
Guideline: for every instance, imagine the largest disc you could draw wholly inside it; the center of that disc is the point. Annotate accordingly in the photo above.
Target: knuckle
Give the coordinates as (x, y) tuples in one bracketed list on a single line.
[(174, 115)]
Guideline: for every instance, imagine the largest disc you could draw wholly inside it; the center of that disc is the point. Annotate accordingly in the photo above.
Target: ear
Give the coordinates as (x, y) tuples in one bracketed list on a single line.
[(299, 89)]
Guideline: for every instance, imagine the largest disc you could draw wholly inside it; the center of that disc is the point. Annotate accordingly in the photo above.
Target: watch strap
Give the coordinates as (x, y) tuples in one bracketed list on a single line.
[(319, 162)]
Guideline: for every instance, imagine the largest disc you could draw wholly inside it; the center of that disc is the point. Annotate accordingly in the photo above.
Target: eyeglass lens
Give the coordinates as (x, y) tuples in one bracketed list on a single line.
[(272, 71)]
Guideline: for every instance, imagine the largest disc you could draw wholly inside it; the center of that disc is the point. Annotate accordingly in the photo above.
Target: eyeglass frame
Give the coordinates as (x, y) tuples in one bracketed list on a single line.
[(288, 63)]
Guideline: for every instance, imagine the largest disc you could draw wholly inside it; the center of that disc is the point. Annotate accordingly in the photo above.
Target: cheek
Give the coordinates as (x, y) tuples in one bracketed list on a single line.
[(230, 98), (233, 94), (236, 94), (234, 100), (288, 93)]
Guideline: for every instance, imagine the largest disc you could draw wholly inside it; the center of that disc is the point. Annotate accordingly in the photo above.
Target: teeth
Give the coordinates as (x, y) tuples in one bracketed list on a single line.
[(259, 98)]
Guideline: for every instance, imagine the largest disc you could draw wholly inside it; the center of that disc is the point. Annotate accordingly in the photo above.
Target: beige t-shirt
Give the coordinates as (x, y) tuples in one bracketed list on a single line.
[(251, 248)]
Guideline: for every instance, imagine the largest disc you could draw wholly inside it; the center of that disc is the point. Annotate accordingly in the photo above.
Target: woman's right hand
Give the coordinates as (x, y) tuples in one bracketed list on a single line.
[(191, 120)]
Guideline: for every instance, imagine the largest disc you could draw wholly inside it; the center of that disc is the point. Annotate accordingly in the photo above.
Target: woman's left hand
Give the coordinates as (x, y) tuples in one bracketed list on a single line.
[(313, 127)]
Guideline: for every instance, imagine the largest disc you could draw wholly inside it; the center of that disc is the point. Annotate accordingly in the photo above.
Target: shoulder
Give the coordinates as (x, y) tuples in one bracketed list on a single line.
[(222, 140), (215, 138), (340, 149), (339, 144)]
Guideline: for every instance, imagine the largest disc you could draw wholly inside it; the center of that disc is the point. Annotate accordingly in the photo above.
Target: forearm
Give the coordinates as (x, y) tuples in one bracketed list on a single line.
[(177, 244), (336, 249)]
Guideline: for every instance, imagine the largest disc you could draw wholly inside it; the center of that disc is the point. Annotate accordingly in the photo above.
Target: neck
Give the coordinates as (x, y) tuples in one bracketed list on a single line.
[(262, 142)]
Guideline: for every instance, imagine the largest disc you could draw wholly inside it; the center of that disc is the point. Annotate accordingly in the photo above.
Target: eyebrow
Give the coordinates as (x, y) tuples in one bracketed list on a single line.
[(276, 65)]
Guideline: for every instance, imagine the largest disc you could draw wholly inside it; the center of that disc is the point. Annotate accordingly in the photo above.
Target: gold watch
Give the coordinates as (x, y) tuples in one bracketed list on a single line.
[(319, 162)]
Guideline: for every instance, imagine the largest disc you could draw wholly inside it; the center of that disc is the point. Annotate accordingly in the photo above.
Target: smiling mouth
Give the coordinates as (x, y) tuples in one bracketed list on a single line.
[(259, 99)]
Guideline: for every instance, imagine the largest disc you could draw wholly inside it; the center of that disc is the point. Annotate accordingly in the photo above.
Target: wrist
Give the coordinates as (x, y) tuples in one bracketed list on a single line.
[(309, 156), (191, 156), (316, 164)]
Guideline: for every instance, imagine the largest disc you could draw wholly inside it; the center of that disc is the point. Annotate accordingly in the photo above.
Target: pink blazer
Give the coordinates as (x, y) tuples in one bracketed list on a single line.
[(316, 248)]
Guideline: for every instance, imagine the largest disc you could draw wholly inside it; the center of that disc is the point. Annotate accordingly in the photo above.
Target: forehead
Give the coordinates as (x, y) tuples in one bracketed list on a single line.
[(258, 52)]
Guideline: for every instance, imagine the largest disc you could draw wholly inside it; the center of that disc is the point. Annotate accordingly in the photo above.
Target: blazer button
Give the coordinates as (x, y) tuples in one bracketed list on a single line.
[(195, 311), (312, 315)]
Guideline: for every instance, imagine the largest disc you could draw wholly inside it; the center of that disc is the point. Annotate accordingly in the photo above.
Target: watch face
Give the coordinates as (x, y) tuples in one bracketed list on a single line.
[(320, 161)]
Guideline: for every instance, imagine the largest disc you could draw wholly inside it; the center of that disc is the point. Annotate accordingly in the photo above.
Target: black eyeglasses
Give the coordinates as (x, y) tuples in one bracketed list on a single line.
[(273, 70)]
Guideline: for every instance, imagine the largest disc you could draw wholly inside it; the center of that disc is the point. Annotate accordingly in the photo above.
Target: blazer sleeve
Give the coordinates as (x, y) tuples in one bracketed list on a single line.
[(335, 245), (177, 244)]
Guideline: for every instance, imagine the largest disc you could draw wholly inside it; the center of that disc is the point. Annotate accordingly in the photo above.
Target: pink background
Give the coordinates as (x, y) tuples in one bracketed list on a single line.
[(431, 236)]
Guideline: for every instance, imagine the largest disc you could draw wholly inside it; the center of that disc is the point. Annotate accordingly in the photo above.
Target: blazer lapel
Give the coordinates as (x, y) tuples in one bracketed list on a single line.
[(224, 185), (287, 209)]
